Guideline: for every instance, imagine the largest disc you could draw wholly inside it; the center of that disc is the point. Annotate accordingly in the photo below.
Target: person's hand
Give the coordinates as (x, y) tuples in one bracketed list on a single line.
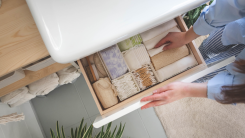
[(173, 92), (166, 94), (177, 39)]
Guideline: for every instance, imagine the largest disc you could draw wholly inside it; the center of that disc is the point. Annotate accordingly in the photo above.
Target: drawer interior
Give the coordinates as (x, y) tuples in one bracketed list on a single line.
[(140, 90)]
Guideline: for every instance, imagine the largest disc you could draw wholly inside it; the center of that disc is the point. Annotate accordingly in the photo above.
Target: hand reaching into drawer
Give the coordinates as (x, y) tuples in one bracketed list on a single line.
[(177, 39), (173, 92)]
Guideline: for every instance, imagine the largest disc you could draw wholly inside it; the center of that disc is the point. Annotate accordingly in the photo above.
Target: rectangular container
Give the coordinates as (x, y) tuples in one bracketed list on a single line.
[(201, 65)]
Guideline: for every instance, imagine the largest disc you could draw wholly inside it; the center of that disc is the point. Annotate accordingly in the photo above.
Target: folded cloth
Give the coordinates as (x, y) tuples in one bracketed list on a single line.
[(125, 86), (106, 92), (67, 75), (144, 77), (95, 72), (177, 67), (169, 56), (26, 98), (154, 51), (129, 43), (147, 35), (14, 96), (44, 85), (114, 61), (136, 57), (99, 66), (132, 60), (152, 42)]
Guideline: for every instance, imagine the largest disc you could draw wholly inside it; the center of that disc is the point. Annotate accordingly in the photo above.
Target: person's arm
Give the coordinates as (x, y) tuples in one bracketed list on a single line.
[(175, 91), (212, 90), (218, 14)]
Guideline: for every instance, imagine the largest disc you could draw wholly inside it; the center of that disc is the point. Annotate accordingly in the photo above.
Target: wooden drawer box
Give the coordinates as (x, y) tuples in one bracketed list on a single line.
[(201, 65)]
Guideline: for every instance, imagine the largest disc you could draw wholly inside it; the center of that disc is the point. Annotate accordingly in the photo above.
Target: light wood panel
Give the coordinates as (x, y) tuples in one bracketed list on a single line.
[(32, 76), (20, 41)]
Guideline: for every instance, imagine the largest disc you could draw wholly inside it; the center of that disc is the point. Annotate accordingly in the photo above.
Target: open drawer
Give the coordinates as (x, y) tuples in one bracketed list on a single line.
[(132, 103)]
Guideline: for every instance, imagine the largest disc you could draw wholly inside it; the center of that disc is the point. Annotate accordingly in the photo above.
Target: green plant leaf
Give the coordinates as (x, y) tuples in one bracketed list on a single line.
[(98, 135), (72, 133), (196, 13), (84, 130), (121, 133), (58, 130), (113, 133), (52, 133), (102, 132), (80, 129), (107, 130), (76, 133), (119, 130), (63, 133), (88, 132)]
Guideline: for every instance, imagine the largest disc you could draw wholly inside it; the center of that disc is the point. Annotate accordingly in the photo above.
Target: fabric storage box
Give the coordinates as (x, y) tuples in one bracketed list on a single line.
[(201, 65), (11, 78), (40, 64)]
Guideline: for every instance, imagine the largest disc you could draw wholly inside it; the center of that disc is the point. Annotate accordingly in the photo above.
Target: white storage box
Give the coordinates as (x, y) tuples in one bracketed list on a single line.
[(11, 78), (40, 64)]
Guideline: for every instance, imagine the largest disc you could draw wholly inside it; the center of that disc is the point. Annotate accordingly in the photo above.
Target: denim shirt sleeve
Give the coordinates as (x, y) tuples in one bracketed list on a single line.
[(218, 14)]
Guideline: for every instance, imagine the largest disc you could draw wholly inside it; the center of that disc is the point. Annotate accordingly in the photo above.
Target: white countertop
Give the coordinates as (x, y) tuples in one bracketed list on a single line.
[(72, 29)]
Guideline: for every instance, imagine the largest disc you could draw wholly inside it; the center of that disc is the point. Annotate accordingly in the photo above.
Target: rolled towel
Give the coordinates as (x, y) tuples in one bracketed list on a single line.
[(150, 44), (136, 57), (44, 85), (67, 75), (154, 51), (147, 35), (131, 60), (169, 56), (129, 43), (26, 98), (14, 96), (176, 67)]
